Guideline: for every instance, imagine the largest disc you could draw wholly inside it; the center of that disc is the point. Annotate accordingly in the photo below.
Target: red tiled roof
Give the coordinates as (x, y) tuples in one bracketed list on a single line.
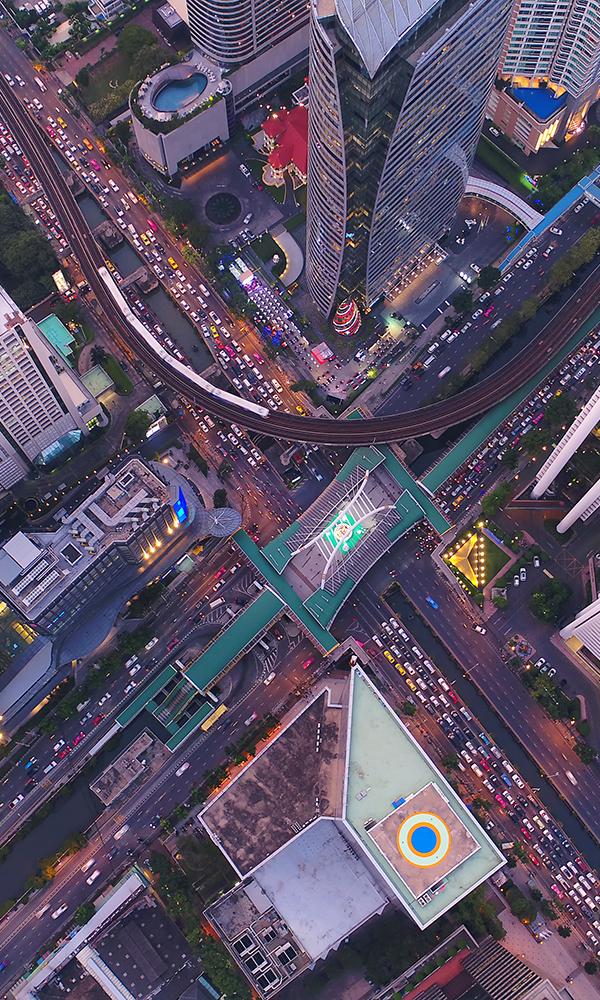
[(289, 132)]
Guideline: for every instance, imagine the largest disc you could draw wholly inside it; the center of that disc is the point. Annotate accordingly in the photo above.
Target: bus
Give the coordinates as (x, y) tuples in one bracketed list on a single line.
[(213, 718), (39, 84)]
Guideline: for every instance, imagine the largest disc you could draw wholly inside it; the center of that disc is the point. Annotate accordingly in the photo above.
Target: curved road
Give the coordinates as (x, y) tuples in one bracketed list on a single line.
[(395, 427)]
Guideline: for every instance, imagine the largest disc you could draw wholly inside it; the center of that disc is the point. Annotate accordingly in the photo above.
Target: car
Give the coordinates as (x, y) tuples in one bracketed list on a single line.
[(556, 231), (480, 629), (534, 860), (97, 719), (522, 574), (536, 562), (250, 719), (61, 909), (557, 891), (268, 680), (308, 663), (92, 878), (16, 801), (516, 580), (88, 864), (181, 770)]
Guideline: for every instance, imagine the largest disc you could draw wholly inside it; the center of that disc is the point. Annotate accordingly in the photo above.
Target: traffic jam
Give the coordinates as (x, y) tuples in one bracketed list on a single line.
[(482, 763)]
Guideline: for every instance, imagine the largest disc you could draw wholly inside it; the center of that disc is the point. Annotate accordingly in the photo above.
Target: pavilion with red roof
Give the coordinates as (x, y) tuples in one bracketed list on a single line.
[(286, 138)]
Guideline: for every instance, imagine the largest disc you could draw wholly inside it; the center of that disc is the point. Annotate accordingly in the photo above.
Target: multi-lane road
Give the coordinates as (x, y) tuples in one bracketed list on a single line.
[(436, 416)]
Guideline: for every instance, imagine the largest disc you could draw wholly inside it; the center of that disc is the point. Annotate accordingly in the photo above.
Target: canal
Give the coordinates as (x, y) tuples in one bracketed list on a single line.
[(70, 814), (168, 315), (502, 736)]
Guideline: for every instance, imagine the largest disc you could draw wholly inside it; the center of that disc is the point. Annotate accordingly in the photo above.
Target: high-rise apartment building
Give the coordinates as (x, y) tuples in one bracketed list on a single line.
[(551, 46), (397, 98), (260, 41), (44, 406)]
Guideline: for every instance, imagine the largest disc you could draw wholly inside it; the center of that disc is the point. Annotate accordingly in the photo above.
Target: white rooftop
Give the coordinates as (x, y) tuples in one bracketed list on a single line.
[(376, 26), (320, 887)]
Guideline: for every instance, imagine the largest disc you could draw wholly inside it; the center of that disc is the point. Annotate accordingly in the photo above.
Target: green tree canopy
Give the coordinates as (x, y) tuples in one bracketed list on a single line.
[(463, 300), (488, 277), (220, 498), (138, 423)]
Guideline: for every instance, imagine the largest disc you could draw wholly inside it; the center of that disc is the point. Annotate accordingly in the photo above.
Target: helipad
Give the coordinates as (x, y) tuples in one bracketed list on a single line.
[(423, 839)]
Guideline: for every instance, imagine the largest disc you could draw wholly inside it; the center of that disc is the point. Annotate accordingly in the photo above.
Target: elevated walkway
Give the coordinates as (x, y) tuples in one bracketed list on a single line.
[(498, 195), (588, 186), (233, 642)]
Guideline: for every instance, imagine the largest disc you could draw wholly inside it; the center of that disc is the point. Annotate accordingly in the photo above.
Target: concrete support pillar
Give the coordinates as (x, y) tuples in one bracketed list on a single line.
[(589, 502), (584, 423)]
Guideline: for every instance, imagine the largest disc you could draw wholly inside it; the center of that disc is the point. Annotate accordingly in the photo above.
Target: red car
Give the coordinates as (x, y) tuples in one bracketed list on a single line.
[(220, 572), (453, 696), (78, 739), (534, 860), (525, 833), (64, 753), (152, 225), (308, 663), (97, 720), (501, 800)]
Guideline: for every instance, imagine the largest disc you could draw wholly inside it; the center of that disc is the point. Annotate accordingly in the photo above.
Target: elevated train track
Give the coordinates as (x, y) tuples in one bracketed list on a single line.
[(128, 330)]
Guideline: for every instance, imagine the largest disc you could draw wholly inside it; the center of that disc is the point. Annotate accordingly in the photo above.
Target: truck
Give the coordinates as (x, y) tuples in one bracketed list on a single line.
[(507, 845), (121, 833), (571, 777), (217, 603), (39, 84)]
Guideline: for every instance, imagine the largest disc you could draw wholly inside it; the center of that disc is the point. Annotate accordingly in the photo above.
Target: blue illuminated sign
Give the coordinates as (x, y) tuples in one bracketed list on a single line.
[(180, 507)]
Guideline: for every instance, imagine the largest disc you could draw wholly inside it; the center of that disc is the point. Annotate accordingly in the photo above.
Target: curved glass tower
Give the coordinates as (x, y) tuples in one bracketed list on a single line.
[(398, 90)]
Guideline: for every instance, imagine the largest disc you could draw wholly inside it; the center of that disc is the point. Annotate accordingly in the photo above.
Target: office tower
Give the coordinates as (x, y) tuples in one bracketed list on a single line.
[(44, 407), (551, 59), (232, 31), (262, 42), (397, 97)]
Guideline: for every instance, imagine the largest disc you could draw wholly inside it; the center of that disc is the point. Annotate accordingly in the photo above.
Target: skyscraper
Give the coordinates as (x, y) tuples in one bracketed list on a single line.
[(555, 43), (397, 96), (260, 41), (43, 404), (232, 31)]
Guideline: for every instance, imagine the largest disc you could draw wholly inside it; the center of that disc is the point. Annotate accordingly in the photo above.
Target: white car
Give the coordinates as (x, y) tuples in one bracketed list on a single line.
[(92, 877), (61, 909), (181, 770)]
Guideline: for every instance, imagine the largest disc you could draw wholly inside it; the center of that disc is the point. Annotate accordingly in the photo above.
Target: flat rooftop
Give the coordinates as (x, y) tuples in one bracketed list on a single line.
[(294, 780), (388, 772), (349, 759), (36, 567)]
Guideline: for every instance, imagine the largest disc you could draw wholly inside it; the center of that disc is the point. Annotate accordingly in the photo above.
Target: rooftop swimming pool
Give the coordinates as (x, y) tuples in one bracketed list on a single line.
[(178, 93)]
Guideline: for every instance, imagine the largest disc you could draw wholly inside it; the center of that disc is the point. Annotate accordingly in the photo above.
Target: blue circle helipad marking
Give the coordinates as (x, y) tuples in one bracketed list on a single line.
[(423, 839)]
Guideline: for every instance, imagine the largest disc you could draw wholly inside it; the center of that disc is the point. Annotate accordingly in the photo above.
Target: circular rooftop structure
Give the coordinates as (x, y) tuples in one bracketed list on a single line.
[(222, 521), (176, 92)]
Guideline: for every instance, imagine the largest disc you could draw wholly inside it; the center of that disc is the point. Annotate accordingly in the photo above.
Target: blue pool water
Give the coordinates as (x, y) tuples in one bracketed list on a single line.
[(176, 94)]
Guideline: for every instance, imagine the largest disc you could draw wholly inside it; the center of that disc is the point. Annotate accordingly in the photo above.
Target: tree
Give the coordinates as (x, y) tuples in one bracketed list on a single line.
[(548, 909), (488, 277), (98, 354), (529, 308), (408, 708), (220, 498), (585, 752), (591, 968), (548, 602), (197, 233), (137, 424), (560, 410), (495, 501), (84, 913), (450, 762), (463, 300), (83, 77), (564, 931), (133, 38), (500, 602)]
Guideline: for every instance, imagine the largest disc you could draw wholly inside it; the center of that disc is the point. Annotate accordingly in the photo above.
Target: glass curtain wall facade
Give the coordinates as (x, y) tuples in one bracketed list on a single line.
[(396, 108)]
